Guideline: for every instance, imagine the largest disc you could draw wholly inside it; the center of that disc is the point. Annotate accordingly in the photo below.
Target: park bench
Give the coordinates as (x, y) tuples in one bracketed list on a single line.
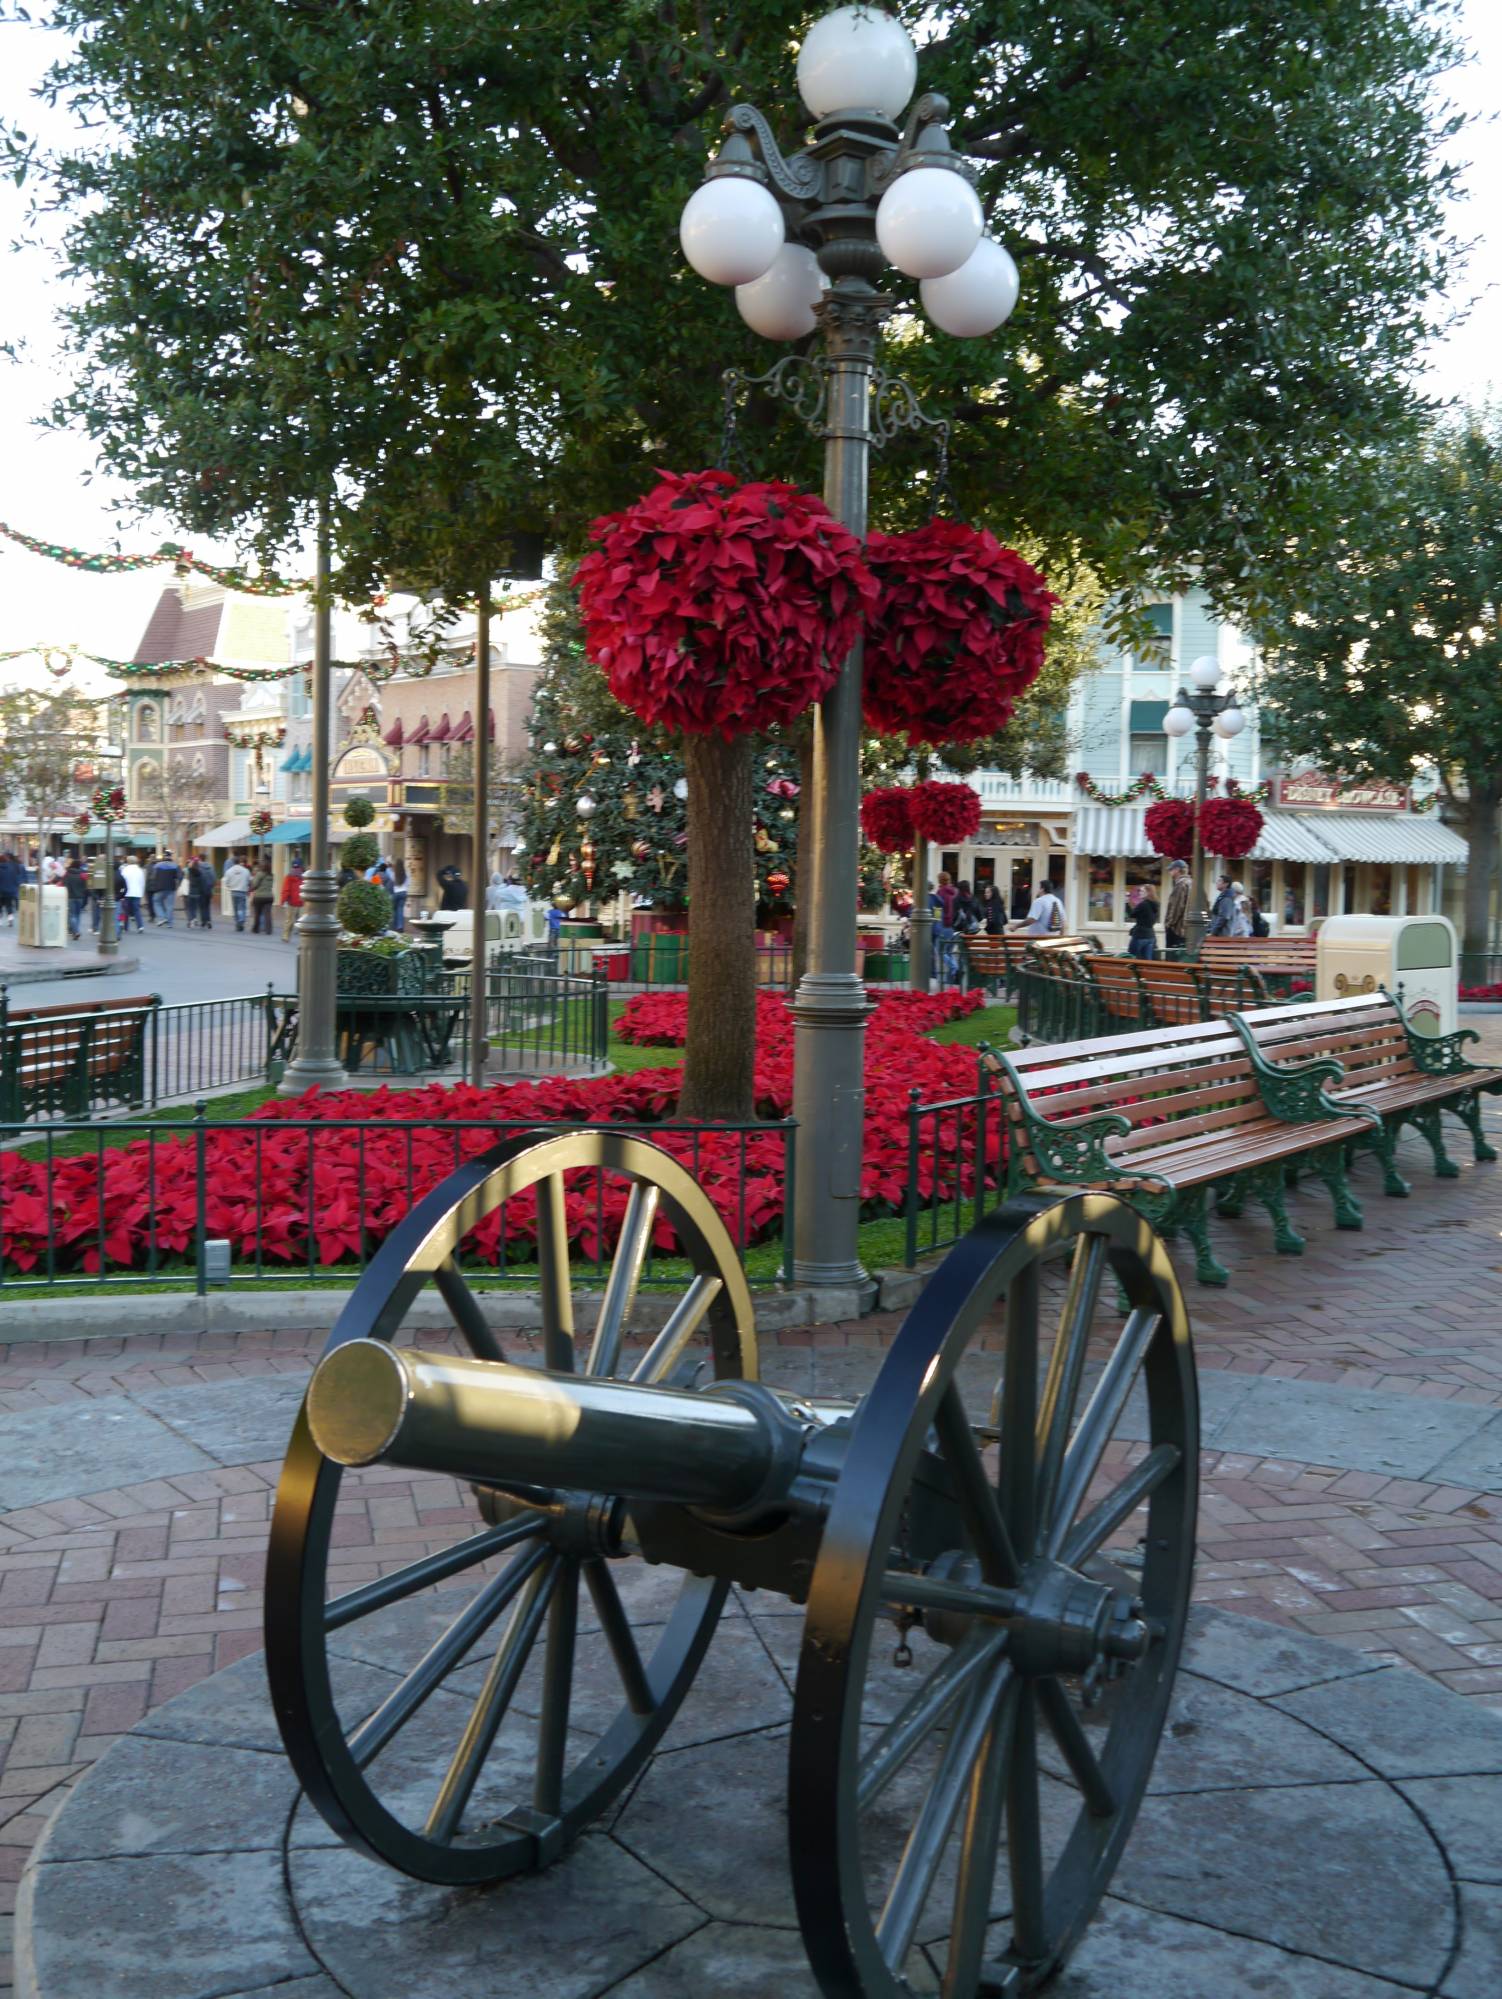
[(1073, 997), (1406, 1078), (74, 1058), (1280, 961), (1168, 1117)]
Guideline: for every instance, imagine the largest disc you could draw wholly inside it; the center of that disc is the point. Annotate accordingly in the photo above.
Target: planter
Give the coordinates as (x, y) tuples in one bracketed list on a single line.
[(371, 975)]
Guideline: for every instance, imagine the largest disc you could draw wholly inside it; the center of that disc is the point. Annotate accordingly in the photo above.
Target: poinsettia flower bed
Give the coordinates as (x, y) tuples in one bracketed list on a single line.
[(282, 1189)]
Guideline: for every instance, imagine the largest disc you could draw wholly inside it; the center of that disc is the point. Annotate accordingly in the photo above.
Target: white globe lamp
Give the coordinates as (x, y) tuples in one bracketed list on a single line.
[(1229, 722), (978, 297), (1178, 722), (731, 230), (779, 305), (1204, 672), (929, 222), (857, 59)]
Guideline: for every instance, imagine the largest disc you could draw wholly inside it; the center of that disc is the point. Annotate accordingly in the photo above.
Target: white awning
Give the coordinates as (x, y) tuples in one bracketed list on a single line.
[(1113, 831), (1397, 838), (1288, 836), (233, 833)]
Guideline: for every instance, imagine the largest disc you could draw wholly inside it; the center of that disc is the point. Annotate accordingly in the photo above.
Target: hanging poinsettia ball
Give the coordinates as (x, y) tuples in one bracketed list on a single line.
[(718, 608), (1169, 826), (957, 635), (945, 813), (887, 818), (1230, 827)]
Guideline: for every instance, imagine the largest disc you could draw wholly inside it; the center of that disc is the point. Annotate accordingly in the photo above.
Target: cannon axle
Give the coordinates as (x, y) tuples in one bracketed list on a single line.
[(733, 1449)]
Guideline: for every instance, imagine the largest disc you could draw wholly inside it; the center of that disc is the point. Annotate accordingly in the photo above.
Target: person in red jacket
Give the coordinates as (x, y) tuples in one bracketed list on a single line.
[(291, 899)]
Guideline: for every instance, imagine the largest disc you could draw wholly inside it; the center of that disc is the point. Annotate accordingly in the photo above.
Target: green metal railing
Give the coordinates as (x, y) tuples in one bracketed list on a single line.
[(956, 1158), (140, 1205)]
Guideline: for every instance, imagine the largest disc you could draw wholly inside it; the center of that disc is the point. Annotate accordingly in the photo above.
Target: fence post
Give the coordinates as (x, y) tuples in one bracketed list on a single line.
[(201, 1184), (789, 1194), (600, 1050), (910, 1256), (152, 1088)]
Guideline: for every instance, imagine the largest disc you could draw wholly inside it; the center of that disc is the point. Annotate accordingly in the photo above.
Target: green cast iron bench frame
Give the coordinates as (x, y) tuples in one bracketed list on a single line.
[(74, 1057)]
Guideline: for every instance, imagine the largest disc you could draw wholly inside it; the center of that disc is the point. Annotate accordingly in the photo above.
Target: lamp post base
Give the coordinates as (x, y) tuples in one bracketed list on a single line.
[(829, 1100), (921, 931), (316, 1064)]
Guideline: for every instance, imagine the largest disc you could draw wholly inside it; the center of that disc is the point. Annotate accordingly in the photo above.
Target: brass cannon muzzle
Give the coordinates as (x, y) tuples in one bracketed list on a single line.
[(730, 1448)]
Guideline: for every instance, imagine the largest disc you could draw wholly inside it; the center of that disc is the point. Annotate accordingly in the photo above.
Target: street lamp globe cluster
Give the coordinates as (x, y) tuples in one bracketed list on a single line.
[(805, 240), (1201, 710), (744, 227)]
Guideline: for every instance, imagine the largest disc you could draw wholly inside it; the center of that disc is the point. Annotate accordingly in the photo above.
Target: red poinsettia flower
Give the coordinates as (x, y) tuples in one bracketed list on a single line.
[(887, 818), (1169, 826), (946, 813), (1230, 827)]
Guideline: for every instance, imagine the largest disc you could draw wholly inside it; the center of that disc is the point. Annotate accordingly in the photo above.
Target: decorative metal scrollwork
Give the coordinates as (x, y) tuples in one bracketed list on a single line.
[(799, 178), (802, 382)]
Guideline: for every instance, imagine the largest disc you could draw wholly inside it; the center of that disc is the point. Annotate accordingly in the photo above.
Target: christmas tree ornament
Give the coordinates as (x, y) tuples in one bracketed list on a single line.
[(657, 798), (779, 881), (585, 806), (629, 803), (587, 862), (640, 850), (550, 749)]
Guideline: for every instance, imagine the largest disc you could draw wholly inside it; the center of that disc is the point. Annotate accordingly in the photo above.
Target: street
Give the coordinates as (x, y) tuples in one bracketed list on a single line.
[(178, 964)]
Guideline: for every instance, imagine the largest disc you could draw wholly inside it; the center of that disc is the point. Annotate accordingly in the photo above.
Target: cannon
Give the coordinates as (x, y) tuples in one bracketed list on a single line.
[(992, 1548)]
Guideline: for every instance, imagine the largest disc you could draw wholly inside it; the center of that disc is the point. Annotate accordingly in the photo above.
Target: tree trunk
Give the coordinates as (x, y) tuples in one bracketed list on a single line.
[(1481, 834), (719, 1055), (803, 873)]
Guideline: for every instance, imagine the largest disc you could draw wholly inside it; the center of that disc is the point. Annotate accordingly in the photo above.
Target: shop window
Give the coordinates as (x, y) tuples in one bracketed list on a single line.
[(1101, 904), (1381, 880), (950, 863), (1144, 873), (1295, 878), (1259, 879), (1057, 869), (1350, 905), (1147, 753), (1319, 901)]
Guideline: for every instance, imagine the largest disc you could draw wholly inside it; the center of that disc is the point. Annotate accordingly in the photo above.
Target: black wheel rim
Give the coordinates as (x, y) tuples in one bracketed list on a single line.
[(994, 1862), (527, 1614)]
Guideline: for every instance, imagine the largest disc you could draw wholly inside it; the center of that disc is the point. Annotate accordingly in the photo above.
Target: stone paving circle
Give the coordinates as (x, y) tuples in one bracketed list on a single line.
[(1318, 1826)]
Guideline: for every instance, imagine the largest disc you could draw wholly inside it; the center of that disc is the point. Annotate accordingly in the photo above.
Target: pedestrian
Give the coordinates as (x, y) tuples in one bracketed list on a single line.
[(399, 886), (76, 882), (10, 886), (1045, 913), (1241, 915), (291, 899), (941, 902), (237, 881), (1176, 908), (994, 911), (495, 892), (1022, 899), (454, 890), (132, 890), (262, 895), (204, 881), (1142, 941), (165, 877), (1222, 909)]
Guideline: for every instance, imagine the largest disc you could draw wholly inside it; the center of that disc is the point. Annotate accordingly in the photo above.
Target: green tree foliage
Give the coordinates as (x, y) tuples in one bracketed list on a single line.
[(44, 737), (430, 247), (1394, 664)]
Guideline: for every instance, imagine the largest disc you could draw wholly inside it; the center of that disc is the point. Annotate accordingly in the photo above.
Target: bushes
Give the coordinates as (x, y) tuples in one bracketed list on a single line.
[(360, 851), (365, 908), (359, 812)]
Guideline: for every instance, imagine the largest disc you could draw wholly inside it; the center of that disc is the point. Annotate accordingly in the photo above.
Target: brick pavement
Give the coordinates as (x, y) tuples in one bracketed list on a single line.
[(112, 1602)]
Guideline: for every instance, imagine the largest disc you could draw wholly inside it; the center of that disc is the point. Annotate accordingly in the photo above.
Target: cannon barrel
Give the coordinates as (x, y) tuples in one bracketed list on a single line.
[(725, 1449)]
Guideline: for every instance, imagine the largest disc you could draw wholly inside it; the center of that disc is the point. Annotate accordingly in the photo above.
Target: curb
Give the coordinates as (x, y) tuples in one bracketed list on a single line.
[(37, 975)]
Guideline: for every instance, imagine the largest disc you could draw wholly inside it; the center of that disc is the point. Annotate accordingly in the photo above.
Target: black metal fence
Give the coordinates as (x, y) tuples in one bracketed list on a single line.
[(188, 1206), (956, 1166), (539, 1020), (1480, 969)]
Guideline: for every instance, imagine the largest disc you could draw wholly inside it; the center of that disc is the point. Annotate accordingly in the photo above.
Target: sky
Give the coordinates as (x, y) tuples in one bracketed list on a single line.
[(51, 486)]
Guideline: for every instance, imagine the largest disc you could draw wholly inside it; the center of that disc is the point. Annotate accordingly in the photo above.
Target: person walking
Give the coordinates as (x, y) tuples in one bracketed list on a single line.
[(994, 911), (1241, 915), (1142, 941), (165, 877), (291, 899), (1176, 908), (1045, 914), (399, 887), (237, 881), (262, 895), (1022, 900), (202, 873), (454, 892), (941, 902), (1223, 909), (76, 882), (10, 886), (132, 890)]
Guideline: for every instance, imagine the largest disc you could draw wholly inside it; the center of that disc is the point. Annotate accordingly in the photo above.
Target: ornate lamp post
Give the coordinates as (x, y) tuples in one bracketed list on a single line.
[(804, 241), (1200, 708)]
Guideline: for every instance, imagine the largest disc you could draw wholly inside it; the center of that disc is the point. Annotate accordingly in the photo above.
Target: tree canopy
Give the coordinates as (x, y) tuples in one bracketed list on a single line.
[(430, 248), (1393, 664)]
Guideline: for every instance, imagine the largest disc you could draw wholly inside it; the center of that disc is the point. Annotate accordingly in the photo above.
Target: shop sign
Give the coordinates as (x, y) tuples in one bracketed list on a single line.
[(1012, 833), (1309, 791), (358, 764)]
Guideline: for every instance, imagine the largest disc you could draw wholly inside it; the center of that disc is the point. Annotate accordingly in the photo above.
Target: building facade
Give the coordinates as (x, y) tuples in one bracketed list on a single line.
[(1325, 848)]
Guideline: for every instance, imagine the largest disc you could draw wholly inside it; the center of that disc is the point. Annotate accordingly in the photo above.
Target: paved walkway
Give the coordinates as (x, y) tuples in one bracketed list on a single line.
[(1352, 1477)]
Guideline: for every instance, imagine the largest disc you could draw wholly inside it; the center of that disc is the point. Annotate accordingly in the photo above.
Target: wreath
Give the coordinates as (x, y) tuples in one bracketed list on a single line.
[(718, 608), (82, 821), (261, 823), (945, 813), (1230, 827), (1169, 826), (107, 804), (957, 634), (887, 818)]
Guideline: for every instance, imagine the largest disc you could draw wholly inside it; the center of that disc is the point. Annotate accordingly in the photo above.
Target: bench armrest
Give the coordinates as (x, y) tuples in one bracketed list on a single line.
[(1439, 1054), (1295, 1092), (1075, 1152)]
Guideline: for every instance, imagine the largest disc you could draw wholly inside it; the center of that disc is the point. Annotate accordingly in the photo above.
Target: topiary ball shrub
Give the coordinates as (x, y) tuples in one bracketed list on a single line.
[(359, 812), (365, 908), (360, 851)]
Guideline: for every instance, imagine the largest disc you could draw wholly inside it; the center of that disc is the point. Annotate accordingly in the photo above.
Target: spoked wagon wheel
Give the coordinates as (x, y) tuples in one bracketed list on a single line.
[(457, 1747), (956, 1815)]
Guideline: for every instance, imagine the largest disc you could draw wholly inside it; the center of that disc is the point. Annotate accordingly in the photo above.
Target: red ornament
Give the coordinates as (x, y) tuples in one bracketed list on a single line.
[(1169, 826), (1230, 827), (778, 881), (957, 634), (887, 818), (945, 813), (722, 609)]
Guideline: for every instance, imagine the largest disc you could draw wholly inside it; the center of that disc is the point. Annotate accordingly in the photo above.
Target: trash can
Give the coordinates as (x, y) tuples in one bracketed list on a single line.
[(1416, 958), (43, 919)]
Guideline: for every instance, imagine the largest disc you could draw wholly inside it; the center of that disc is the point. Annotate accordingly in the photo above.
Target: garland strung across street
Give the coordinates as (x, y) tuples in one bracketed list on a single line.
[(1149, 786)]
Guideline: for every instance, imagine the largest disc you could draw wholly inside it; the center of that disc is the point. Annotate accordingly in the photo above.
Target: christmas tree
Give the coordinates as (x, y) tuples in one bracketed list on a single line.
[(603, 796)]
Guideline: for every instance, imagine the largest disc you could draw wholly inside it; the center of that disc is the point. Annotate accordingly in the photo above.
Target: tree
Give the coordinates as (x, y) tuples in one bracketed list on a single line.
[(1395, 659), (176, 796), (46, 740)]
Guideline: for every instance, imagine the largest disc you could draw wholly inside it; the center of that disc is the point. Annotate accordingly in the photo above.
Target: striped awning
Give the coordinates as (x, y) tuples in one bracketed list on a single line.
[(1285, 836), (1399, 839), (1112, 831)]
